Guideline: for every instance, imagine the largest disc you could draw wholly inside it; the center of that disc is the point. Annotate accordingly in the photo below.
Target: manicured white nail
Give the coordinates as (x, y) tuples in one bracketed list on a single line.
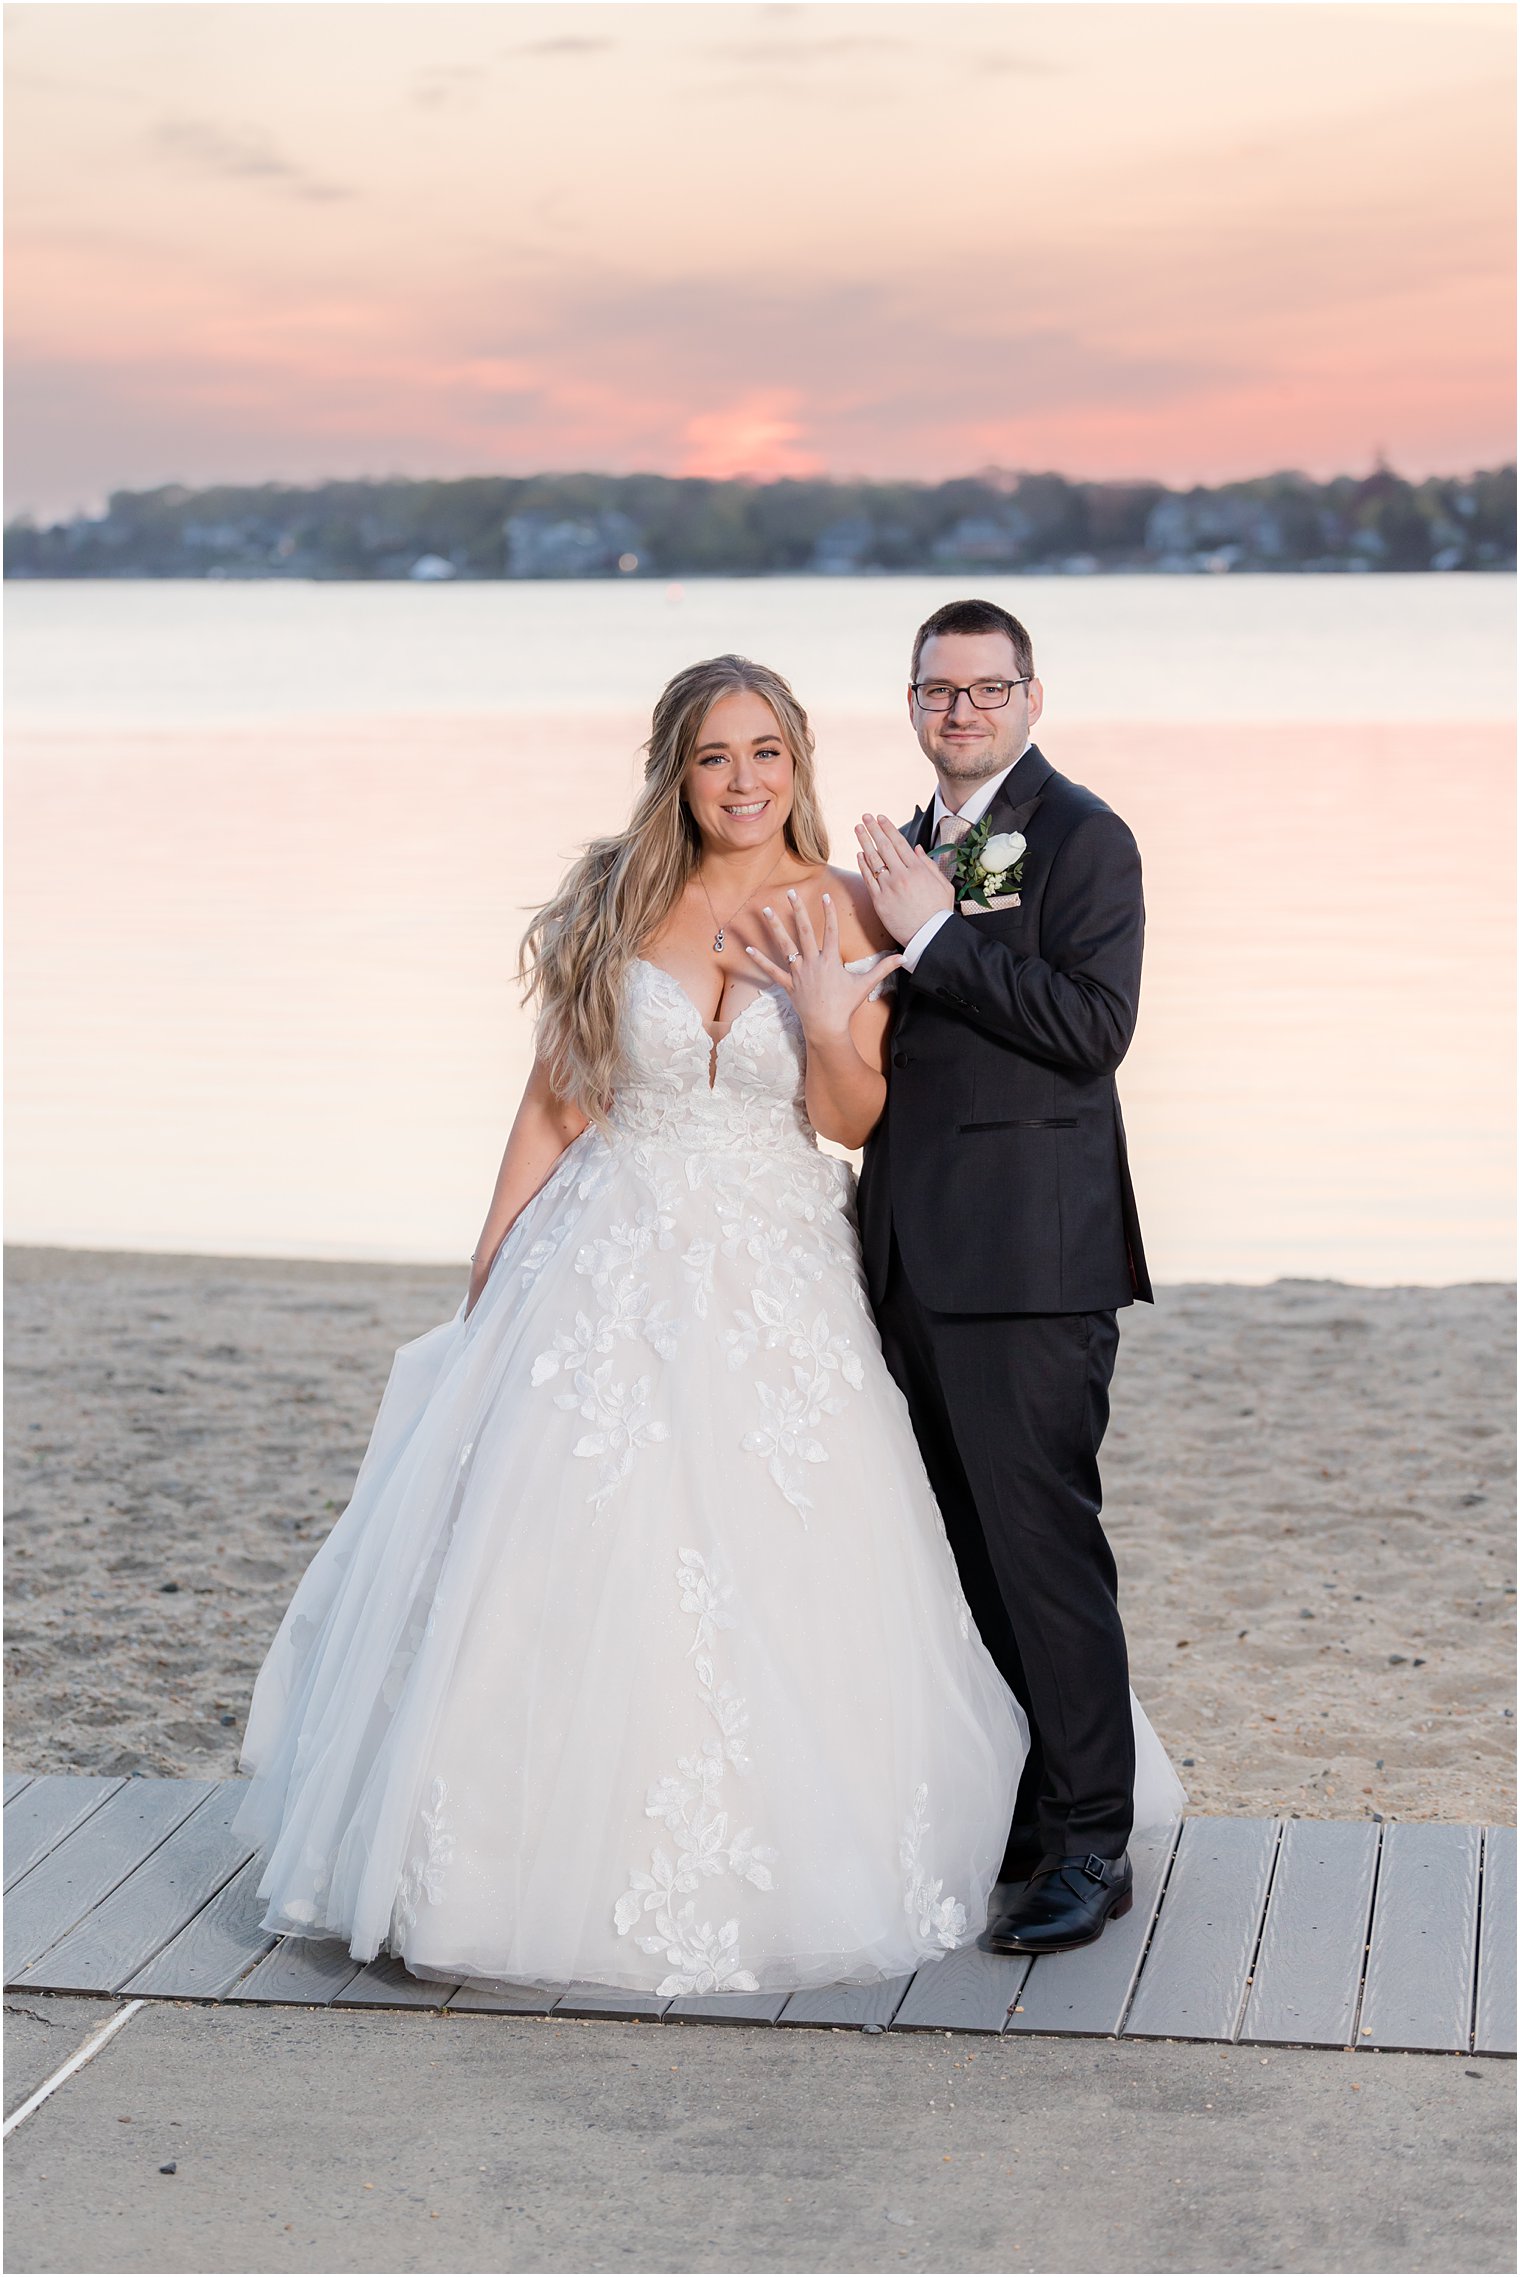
[(826, 901), (791, 893)]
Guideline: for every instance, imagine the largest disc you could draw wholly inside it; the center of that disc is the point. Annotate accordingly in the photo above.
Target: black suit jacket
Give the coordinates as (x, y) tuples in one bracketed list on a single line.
[(999, 1161)]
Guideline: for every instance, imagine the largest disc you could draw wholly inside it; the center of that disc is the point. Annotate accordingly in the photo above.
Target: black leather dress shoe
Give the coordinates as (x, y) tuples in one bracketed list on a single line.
[(1067, 1902)]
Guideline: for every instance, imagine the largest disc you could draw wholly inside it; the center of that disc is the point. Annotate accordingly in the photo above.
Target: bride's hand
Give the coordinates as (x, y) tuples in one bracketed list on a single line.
[(813, 973)]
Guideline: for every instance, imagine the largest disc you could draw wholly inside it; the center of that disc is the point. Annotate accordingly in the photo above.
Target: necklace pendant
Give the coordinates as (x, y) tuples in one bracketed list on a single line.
[(718, 942)]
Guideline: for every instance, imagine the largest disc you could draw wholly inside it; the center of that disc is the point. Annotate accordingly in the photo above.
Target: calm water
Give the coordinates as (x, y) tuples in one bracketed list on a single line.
[(271, 847), (1109, 648)]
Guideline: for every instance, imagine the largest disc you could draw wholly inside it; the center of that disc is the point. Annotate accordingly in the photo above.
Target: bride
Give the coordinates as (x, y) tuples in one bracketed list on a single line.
[(639, 1656)]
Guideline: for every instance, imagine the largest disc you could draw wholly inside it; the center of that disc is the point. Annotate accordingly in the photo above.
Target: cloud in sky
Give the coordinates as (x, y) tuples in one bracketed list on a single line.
[(450, 83), (1189, 241), (773, 56), (206, 148), (567, 43)]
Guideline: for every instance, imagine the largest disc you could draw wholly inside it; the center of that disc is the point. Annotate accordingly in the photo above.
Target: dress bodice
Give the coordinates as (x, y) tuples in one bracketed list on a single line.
[(744, 1092)]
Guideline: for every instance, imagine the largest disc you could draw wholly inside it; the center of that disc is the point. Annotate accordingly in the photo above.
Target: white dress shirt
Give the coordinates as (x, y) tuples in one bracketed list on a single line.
[(971, 814)]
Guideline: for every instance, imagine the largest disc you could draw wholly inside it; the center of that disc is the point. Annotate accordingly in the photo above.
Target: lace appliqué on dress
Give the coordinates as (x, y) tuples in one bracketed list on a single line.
[(689, 1805), (822, 1361), (620, 1410), (422, 1877), (778, 1229), (939, 1923)]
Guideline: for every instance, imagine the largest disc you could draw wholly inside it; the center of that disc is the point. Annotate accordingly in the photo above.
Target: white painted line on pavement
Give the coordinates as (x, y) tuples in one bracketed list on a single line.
[(81, 2056)]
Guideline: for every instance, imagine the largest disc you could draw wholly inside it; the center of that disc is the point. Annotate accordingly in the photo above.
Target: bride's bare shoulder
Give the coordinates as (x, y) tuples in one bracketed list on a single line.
[(860, 929)]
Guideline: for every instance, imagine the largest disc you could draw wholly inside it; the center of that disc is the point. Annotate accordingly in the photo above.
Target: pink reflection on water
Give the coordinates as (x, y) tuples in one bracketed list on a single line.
[(261, 993)]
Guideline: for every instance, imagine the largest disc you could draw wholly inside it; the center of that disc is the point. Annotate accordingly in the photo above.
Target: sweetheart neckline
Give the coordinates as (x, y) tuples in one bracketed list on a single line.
[(771, 988)]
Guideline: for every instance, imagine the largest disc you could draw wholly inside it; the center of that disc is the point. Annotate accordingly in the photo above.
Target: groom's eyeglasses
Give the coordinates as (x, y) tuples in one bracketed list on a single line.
[(987, 695)]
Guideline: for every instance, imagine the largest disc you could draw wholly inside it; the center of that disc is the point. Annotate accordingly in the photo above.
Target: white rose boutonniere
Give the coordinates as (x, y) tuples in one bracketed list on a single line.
[(1001, 857), (987, 863)]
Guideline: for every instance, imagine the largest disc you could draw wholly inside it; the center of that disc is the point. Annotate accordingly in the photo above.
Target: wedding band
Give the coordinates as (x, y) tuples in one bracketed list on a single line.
[(792, 959)]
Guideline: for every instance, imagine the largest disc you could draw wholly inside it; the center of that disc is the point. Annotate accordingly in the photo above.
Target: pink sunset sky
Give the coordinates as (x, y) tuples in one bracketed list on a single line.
[(254, 242)]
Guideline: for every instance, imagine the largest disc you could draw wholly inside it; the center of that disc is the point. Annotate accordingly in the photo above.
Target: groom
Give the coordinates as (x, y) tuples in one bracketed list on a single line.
[(999, 1228)]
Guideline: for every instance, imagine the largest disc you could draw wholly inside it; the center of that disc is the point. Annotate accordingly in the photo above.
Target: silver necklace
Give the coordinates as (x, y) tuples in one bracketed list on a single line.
[(721, 922)]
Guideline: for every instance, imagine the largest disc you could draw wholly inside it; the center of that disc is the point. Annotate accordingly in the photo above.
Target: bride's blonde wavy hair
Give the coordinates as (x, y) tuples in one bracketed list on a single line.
[(576, 953)]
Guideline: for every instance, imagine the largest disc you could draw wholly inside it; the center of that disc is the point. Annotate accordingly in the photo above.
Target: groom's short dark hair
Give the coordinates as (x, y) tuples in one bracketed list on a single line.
[(974, 617)]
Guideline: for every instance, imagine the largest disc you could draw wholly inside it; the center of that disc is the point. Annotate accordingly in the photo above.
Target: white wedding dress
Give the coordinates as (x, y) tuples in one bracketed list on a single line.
[(639, 1655)]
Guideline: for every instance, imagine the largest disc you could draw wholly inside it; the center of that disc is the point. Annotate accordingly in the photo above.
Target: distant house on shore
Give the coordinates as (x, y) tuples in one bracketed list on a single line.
[(844, 548), (983, 541), (1215, 530), (540, 546)]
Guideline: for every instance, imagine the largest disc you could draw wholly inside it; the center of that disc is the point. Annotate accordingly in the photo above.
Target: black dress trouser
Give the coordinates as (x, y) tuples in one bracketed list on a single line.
[(1009, 1410)]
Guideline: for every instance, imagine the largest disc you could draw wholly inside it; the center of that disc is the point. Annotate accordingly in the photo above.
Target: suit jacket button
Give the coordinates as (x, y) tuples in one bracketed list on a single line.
[(899, 1059)]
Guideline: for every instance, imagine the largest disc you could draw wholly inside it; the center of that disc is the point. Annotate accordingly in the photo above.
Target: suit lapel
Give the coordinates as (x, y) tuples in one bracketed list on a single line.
[(1020, 793)]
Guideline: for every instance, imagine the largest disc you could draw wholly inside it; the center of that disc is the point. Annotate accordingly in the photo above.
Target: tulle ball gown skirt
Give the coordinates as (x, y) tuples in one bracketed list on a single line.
[(639, 1656)]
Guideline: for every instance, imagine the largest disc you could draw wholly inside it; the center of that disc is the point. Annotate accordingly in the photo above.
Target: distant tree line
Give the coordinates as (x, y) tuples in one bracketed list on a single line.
[(650, 525)]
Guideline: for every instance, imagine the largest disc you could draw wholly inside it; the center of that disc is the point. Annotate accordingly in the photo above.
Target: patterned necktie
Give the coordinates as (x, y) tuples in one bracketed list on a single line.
[(948, 833)]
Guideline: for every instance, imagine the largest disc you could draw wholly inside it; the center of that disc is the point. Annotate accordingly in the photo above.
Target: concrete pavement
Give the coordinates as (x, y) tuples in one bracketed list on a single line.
[(351, 2141)]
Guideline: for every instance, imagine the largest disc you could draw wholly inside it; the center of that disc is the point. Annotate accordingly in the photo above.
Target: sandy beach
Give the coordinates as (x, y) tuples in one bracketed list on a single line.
[(1309, 1491)]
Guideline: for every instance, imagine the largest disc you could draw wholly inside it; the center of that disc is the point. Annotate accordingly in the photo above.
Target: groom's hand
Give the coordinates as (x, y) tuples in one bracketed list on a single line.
[(906, 888)]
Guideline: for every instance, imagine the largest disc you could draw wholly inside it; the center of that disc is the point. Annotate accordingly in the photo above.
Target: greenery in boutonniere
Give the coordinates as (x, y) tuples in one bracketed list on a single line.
[(987, 863)]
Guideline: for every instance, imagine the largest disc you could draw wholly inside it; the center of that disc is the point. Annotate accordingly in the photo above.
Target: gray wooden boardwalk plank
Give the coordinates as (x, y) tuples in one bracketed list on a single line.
[(1194, 1976), (45, 1815), (1308, 1973), (301, 1972), (387, 1983), (609, 2000), (1495, 2031), (121, 1934), (967, 1991), (848, 2006), (137, 1886), (215, 1947), (727, 2008), (1422, 1955), (73, 1879), (975, 1990), (493, 1996), (1089, 1990)]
